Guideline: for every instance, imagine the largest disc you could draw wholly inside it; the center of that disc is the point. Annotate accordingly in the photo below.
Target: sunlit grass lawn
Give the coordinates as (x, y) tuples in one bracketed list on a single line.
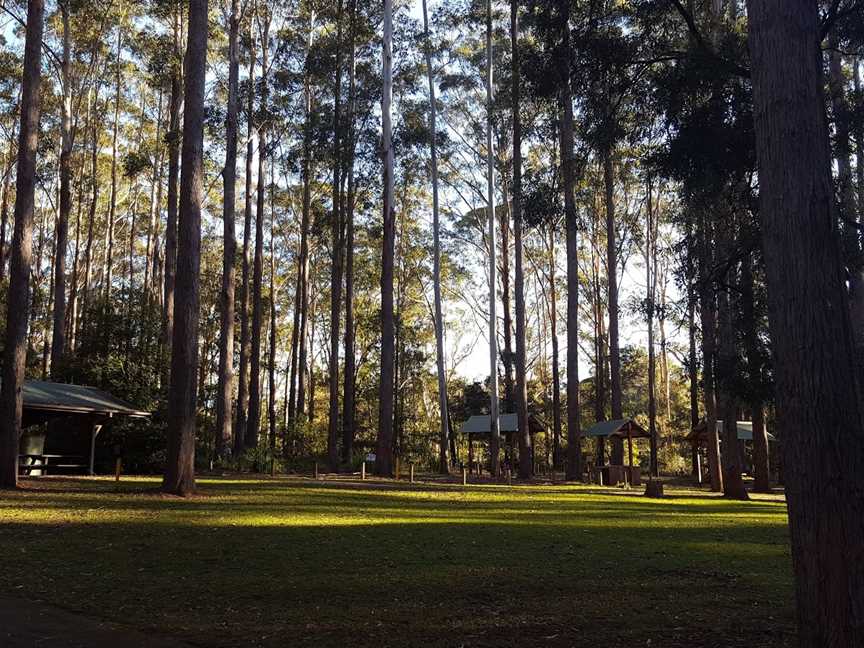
[(293, 562)]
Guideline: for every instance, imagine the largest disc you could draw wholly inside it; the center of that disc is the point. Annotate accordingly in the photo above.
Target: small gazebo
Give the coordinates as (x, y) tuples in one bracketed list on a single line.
[(476, 428), (699, 434), (622, 429), (71, 409), (698, 437)]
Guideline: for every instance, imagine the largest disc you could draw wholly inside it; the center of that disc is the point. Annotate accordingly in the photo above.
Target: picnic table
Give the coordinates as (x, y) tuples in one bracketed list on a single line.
[(611, 475), (29, 463)]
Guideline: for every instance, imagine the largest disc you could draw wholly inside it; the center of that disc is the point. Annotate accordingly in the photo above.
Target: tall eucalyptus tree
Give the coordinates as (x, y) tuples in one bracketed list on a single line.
[(18, 296), (179, 475)]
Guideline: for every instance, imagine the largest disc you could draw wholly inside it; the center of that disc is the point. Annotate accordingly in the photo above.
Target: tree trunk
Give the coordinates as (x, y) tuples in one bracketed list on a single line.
[(507, 355), (91, 220), (707, 300), (225, 390), (155, 201), (182, 397), (692, 361), (348, 402), (253, 424), (311, 405), (494, 436), (663, 278), (436, 253), (18, 297), (46, 331), (58, 337), (70, 325), (617, 443), (651, 289), (271, 362), (303, 283), (818, 390), (384, 452), (728, 370), (245, 346), (600, 365), (176, 103), (568, 182), (4, 207), (859, 146), (112, 203), (526, 455), (761, 467), (541, 299), (302, 297), (556, 372), (291, 394), (336, 256), (399, 342)]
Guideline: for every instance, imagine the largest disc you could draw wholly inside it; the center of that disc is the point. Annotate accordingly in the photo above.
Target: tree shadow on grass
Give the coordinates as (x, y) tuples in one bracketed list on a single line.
[(288, 496), (562, 571)]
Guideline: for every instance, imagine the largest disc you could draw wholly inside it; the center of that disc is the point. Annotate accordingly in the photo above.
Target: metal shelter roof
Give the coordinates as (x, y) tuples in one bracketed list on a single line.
[(479, 424), (45, 396), (745, 431), (616, 427)]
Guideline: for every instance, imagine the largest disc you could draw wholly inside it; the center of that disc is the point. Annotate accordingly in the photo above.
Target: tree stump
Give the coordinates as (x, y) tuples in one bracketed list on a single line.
[(654, 488)]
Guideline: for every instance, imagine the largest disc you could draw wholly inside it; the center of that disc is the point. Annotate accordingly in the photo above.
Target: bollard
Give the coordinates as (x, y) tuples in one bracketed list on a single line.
[(464, 477), (117, 467), (363, 471), (316, 470), (412, 473), (509, 477)]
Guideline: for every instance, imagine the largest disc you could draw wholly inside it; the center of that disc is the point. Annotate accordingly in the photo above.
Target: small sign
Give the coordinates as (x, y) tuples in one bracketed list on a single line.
[(371, 457)]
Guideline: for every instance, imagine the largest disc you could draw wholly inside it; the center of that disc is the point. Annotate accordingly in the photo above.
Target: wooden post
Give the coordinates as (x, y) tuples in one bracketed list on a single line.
[(509, 477), (316, 470), (363, 471), (630, 444), (117, 466), (94, 432), (412, 473), (698, 466)]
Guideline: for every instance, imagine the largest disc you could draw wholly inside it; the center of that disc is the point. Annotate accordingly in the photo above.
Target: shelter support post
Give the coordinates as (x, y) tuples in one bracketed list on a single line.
[(695, 460), (630, 444), (94, 432), (698, 456)]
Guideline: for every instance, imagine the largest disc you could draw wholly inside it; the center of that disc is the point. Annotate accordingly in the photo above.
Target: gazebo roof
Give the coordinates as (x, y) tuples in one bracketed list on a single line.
[(617, 428), (745, 431), (45, 396), (479, 424)]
